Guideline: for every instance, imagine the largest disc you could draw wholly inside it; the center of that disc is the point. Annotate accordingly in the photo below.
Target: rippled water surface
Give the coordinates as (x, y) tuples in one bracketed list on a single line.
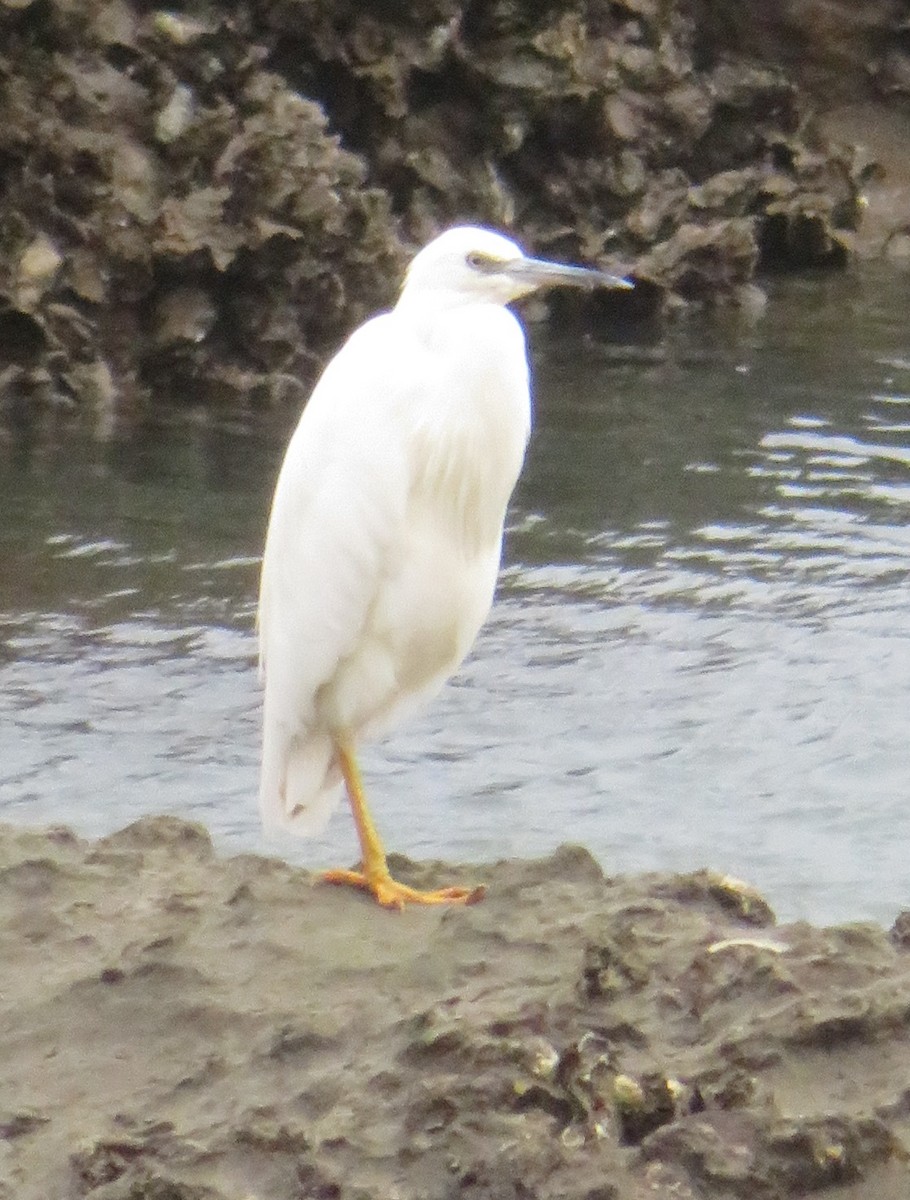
[(700, 653)]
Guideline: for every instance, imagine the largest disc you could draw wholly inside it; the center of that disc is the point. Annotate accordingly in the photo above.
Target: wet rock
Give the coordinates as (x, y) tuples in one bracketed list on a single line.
[(38, 265), (703, 262), (644, 1105), (572, 1035), (184, 315), (279, 160), (810, 1155), (737, 898), (900, 930), (176, 117), (897, 248), (146, 176), (90, 383), (23, 339)]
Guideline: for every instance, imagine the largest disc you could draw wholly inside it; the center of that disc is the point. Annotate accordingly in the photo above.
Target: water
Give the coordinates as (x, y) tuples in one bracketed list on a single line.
[(700, 653)]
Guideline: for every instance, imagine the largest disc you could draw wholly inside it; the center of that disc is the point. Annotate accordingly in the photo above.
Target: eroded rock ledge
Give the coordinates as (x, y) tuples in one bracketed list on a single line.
[(202, 200), (178, 1026)]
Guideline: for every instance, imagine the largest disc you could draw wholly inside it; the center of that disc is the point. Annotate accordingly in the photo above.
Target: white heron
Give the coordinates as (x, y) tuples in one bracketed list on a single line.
[(386, 528)]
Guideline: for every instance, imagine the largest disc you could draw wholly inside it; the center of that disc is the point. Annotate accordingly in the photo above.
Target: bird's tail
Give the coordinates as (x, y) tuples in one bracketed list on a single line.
[(301, 784)]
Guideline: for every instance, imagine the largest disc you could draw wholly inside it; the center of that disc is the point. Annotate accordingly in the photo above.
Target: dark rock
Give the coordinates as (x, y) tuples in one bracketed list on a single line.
[(201, 203), (900, 930)]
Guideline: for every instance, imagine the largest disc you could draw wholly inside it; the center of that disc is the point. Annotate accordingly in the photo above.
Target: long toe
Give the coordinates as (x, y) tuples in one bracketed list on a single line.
[(391, 894)]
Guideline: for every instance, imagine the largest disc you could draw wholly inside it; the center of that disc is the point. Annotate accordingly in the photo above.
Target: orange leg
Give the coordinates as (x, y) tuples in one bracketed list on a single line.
[(374, 874)]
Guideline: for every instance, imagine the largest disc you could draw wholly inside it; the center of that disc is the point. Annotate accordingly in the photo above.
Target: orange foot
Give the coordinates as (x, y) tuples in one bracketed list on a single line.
[(391, 894)]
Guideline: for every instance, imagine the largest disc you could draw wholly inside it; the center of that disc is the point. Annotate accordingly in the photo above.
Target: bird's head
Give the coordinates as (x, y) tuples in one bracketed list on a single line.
[(469, 265)]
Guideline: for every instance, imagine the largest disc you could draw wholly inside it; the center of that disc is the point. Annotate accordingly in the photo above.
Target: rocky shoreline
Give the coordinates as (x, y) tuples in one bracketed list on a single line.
[(198, 203), (179, 1026)]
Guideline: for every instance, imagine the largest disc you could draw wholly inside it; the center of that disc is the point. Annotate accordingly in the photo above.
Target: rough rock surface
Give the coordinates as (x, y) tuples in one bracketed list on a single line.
[(201, 200), (175, 1026)]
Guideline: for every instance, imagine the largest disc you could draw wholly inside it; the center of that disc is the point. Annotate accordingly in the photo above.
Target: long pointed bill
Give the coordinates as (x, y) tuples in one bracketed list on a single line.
[(538, 272)]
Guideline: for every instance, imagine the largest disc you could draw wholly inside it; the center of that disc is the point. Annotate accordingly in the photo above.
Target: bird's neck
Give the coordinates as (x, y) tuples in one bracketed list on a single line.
[(435, 304), (441, 322), (474, 417)]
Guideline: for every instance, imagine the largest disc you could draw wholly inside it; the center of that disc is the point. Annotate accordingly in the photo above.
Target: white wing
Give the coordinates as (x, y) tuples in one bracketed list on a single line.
[(336, 519)]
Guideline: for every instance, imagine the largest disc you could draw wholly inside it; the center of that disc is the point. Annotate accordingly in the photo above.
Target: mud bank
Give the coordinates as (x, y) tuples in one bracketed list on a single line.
[(198, 202), (175, 1025)]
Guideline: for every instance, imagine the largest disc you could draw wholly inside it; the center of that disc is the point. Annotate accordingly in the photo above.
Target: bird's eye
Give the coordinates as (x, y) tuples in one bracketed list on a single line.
[(478, 261)]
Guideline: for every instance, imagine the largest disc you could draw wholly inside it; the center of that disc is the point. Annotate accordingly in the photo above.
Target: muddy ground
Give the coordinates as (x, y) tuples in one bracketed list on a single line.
[(198, 201), (179, 1026)]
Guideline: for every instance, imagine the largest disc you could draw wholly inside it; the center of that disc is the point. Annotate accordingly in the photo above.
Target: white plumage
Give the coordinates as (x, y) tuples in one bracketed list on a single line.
[(386, 526)]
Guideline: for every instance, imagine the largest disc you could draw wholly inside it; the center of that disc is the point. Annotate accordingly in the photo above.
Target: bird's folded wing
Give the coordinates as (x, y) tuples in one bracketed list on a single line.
[(336, 525)]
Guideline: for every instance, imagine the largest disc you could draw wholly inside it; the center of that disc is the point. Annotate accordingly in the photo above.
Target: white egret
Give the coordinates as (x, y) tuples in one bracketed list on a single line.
[(386, 526)]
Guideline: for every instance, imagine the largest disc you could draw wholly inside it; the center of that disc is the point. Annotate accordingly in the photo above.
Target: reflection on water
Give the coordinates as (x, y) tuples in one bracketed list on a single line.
[(700, 654)]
